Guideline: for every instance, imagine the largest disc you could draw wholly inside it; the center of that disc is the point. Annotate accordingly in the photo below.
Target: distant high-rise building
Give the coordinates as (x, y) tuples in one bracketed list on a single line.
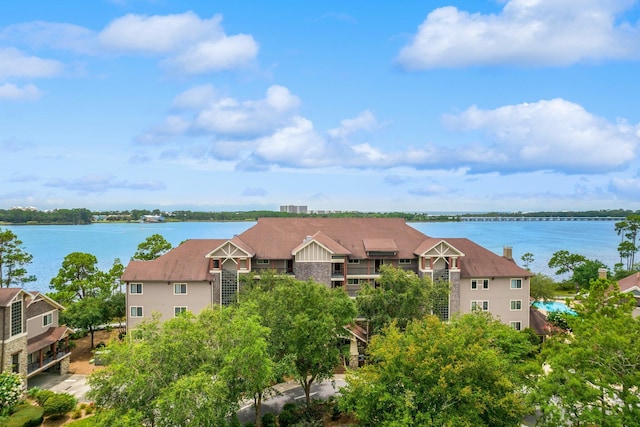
[(293, 209)]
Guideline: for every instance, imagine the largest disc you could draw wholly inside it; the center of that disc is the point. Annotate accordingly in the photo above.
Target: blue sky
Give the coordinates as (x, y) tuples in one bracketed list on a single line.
[(506, 105)]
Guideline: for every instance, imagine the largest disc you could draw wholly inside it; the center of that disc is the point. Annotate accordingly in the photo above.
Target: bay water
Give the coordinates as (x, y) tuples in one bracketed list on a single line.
[(49, 244)]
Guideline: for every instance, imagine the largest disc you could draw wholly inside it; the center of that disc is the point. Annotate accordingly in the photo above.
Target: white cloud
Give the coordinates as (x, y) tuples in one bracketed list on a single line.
[(231, 117), (15, 93), (195, 98), (224, 54), (14, 63), (365, 121), (526, 32), (159, 34), (191, 45), (552, 135), (42, 34), (295, 145), (628, 187)]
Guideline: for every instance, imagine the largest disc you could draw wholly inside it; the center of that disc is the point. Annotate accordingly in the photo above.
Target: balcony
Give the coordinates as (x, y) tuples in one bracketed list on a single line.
[(47, 361)]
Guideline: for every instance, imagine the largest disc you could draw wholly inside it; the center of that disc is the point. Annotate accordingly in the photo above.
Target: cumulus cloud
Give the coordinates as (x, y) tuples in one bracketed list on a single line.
[(14, 63), (296, 145), (365, 121), (525, 32), (190, 44), (550, 134), (16, 93), (101, 183), (184, 42), (201, 111)]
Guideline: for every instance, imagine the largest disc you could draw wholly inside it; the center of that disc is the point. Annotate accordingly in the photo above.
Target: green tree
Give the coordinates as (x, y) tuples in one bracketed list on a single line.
[(527, 259), (595, 369), (628, 230), (248, 365), (542, 287), (153, 247), (13, 261), (79, 278), (87, 313), (439, 374), (189, 370), (307, 322), (582, 270), (402, 296)]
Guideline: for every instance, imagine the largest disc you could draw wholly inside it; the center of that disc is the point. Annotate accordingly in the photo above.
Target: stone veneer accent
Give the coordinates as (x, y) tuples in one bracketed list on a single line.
[(454, 292), (12, 347), (64, 365), (318, 271)]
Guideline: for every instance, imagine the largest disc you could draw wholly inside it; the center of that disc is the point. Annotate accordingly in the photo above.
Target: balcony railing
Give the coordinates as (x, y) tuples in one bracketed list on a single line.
[(46, 361)]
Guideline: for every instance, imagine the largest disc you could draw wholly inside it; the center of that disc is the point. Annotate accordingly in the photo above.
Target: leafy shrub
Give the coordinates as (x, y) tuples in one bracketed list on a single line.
[(269, 420), (41, 396), (249, 425), (26, 415), (10, 391), (235, 422), (88, 410), (289, 416), (77, 413), (59, 404), (33, 391)]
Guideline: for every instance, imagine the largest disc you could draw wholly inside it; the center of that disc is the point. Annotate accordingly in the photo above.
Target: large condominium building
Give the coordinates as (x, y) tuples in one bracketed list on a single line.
[(338, 252)]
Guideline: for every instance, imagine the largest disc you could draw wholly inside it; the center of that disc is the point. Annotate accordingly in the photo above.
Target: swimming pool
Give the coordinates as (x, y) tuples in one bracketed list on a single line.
[(550, 306)]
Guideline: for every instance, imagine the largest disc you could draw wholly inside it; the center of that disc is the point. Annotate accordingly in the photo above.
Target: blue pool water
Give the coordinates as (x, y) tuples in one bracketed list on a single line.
[(554, 306)]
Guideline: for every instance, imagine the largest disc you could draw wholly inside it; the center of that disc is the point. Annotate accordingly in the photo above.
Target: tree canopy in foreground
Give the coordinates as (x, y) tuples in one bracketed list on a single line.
[(595, 368), (442, 374)]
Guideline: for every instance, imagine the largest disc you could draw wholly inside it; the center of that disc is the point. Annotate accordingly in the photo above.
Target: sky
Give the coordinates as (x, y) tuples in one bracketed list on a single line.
[(418, 106)]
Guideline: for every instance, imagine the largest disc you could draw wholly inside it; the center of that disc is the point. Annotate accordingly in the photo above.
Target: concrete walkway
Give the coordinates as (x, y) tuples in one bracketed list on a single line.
[(73, 384)]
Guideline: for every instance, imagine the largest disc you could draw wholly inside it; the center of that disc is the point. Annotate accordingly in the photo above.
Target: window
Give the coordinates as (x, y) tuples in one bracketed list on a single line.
[(215, 264), (180, 288), (516, 304), (353, 261), (516, 325), (47, 319), (136, 311), (16, 318), (479, 305), (479, 283), (15, 363), (135, 288), (404, 261), (262, 261), (516, 283), (243, 264), (353, 281), (177, 311)]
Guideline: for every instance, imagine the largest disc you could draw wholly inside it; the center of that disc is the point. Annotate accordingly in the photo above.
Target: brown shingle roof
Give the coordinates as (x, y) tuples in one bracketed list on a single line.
[(186, 262), (274, 238), (481, 262), (53, 334), (324, 240), (8, 294), (629, 282)]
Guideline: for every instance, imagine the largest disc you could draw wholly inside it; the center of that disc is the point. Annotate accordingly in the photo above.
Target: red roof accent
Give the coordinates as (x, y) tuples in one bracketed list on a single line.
[(629, 282)]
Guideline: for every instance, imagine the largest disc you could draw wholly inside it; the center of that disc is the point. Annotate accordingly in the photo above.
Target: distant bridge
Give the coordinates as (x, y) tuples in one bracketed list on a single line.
[(542, 218)]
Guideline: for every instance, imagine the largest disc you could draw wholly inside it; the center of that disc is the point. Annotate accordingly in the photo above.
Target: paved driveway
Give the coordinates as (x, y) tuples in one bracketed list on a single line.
[(73, 384)]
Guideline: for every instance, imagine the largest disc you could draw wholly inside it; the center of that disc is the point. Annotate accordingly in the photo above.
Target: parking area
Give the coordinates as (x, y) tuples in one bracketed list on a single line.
[(74, 384)]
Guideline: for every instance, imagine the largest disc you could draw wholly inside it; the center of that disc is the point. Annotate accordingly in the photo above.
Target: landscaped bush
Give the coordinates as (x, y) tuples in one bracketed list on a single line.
[(269, 420), (10, 391), (59, 404), (26, 415), (41, 396), (289, 416)]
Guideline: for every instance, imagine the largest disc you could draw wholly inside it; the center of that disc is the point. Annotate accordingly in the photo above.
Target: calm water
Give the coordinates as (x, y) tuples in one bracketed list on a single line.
[(49, 244)]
